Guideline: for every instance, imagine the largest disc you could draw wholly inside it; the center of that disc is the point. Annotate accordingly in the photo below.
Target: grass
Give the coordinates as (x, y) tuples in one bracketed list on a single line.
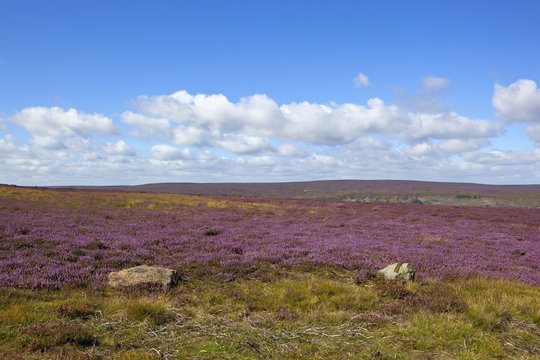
[(70, 198), (153, 310), (298, 316)]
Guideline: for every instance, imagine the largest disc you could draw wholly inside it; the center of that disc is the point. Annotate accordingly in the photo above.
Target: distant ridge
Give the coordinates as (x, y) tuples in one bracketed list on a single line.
[(360, 190)]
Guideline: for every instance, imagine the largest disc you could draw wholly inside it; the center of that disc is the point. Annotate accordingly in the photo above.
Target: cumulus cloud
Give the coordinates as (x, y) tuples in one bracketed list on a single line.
[(519, 102), (167, 152), (191, 135), (212, 120), (213, 112), (52, 128), (145, 126), (61, 140), (8, 144), (505, 158), (118, 148), (534, 133), (49, 142), (292, 150), (435, 84), (198, 120), (446, 148), (55, 122), (244, 145), (458, 146), (450, 125), (361, 80), (339, 124)]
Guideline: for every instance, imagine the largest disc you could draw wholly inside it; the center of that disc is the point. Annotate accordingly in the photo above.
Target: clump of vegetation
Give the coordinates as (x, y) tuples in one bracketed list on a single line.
[(96, 245), (82, 311), (363, 275), (153, 310), (467, 196), (47, 336), (212, 232)]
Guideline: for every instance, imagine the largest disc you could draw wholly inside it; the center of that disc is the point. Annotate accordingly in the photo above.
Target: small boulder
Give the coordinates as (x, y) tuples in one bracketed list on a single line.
[(398, 271), (144, 274)]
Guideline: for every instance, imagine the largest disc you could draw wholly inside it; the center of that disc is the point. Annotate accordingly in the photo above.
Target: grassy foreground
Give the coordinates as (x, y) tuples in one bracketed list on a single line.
[(292, 315)]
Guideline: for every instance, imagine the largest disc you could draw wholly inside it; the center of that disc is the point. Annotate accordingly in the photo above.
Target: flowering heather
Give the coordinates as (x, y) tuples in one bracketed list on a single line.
[(52, 238)]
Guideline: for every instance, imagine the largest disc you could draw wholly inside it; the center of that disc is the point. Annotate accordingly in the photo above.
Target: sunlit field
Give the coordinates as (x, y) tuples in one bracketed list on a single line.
[(264, 278)]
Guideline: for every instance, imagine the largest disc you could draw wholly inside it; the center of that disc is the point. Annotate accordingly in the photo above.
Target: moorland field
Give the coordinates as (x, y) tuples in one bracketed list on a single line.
[(271, 277), (425, 192)]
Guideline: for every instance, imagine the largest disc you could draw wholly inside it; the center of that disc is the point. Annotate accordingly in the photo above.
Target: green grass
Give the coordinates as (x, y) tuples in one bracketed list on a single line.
[(153, 310), (300, 316)]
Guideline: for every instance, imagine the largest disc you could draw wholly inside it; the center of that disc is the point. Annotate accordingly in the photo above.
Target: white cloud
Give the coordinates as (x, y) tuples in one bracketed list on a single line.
[(190, 135), (55, 122), (201, 117), (450, 125), (49, 142), (339, 124), (519, 102), (458, 146), (435, 84), (167, 152), (118, 148), (361, 80), (292, 149), (244, 145), (55, 129), (8, 144), (534, 133), (213, 111), (424, 148), (445, 148), (368, 142), (203, 120), (505, 158), (145, 126)]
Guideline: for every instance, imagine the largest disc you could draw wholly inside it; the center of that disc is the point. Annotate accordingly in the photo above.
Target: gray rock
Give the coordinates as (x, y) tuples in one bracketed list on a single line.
[(398, 271), (144, 274)]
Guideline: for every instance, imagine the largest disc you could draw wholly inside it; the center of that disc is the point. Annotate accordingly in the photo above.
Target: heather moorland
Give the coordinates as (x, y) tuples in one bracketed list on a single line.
[(425, 192), (264, 277)]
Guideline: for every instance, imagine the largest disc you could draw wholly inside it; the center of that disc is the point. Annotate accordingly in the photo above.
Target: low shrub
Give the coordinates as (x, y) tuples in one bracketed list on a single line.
[(212, 232), (82, 311), (434, 297), (45, 336)]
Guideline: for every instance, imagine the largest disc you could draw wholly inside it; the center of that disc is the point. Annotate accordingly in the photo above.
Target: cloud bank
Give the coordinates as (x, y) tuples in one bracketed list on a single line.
[(207, 137), (246, 127)]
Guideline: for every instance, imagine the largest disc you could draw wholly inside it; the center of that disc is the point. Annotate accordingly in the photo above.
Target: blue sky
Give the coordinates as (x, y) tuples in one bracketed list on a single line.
[(114, 92)]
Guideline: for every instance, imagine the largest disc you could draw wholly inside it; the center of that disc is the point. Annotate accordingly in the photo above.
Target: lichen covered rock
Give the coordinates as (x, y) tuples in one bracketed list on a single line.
[(398, 271), (144, 274)]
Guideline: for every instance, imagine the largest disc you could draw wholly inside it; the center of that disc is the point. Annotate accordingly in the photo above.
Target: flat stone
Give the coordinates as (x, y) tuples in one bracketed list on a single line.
[(144, 274)]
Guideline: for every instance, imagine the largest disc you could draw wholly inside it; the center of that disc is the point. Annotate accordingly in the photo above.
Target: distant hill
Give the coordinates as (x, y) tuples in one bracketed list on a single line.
[(460, 194)]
